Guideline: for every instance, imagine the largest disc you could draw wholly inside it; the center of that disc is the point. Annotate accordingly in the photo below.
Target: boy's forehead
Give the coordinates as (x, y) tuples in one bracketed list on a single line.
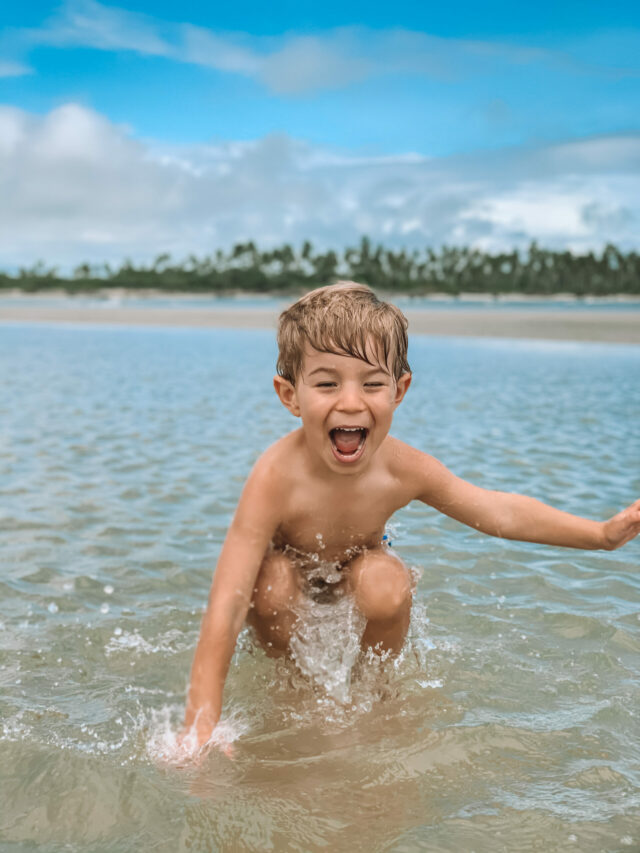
[(314, 359)]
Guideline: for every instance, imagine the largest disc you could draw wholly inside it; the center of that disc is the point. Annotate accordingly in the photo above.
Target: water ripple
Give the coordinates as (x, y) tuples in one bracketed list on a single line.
[(511, 718)]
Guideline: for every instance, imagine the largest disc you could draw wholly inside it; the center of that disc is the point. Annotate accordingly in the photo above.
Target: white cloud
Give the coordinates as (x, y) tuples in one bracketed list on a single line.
[(535, 209), (13, 69), (77, 187), (203, 47), (292, 64), (91, 24), (306, 63)]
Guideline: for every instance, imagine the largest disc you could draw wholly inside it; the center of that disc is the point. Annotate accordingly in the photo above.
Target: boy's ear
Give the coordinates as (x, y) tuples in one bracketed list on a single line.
[(402, 386), (287, 394)]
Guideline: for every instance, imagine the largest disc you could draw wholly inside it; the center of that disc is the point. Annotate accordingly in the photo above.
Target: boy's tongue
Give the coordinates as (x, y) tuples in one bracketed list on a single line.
[(347, 441)]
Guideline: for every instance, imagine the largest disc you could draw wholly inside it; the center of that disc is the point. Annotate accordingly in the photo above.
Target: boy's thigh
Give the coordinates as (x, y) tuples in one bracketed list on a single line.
[(272, 612), (277, 585)]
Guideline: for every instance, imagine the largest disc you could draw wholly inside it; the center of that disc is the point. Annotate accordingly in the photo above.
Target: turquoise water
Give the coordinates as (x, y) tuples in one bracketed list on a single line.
[(509, 723)]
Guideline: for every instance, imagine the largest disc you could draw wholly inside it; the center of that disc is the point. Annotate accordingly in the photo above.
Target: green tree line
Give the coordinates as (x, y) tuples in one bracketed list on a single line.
[(450, 270)]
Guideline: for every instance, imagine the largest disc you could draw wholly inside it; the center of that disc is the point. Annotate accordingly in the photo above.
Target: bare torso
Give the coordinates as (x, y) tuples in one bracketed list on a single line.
[(332, 519)]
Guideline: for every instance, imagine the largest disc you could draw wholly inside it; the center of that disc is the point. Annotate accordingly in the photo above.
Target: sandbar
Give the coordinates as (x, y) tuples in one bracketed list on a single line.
[(617, 325)]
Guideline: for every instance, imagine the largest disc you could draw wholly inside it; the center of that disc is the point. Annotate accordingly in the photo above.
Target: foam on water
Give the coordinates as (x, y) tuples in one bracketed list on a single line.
[(151, 733), (168, 643)]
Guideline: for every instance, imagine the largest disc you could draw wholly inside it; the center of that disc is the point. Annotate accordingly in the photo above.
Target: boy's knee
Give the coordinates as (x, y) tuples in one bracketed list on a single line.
[(276, 588), (382, 585)]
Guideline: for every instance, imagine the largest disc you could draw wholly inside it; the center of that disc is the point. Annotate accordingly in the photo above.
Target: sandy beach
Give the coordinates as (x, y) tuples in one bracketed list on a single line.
[(609, 326)]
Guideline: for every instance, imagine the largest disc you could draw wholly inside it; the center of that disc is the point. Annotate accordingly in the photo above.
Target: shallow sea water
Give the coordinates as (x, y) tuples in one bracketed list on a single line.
[(509, 723)]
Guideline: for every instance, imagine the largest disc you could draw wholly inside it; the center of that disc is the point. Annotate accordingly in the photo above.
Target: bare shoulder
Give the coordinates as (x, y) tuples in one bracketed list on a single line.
[(257, 513), (271, 474), (403, 458), (422, 476)]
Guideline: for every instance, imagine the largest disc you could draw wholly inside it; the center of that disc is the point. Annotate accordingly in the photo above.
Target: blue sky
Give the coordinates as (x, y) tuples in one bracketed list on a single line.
[(131, 128)]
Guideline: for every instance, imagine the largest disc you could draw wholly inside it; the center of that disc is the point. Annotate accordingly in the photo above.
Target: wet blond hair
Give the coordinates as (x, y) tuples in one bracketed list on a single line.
[(345, 318)]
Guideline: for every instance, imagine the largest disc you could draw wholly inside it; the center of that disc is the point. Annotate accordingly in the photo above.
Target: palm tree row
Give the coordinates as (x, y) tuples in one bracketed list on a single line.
[(450, 270)]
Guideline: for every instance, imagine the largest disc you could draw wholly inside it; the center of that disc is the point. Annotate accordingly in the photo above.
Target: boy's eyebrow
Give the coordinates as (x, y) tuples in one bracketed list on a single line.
[(323, 370)]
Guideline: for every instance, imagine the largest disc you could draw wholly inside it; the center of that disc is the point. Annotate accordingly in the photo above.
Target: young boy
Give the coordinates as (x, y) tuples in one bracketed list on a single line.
[(321, 496)]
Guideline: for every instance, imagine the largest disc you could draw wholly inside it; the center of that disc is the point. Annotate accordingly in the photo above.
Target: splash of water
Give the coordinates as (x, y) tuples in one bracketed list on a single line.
[(167, 745), (327, 644), (326, 649)]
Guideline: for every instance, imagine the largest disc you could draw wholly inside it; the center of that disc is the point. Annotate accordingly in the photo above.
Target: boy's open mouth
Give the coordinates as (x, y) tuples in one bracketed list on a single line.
[(348, 442)]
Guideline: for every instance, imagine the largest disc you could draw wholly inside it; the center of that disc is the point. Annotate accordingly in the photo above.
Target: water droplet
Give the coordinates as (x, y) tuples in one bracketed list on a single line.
[(117, 631), (108, 590), (53, 607), (104, 608)]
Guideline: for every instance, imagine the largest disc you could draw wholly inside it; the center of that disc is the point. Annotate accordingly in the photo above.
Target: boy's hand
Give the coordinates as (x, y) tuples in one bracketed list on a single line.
[(195, 737), (622, 527), (198, 739)]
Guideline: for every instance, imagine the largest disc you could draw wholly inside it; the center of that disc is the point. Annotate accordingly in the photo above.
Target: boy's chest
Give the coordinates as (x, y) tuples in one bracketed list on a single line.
[(333, 523)]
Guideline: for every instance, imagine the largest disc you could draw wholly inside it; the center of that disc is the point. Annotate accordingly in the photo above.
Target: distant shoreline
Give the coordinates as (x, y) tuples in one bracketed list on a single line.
[(594, 325), (241, 296)]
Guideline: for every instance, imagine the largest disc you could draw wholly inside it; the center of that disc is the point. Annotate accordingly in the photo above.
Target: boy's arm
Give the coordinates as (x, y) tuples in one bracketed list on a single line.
[(251, 530), (512, 516)]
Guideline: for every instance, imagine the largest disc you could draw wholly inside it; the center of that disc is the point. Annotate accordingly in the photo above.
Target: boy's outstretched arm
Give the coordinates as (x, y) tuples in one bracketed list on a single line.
[(512, 516), (248, 537)]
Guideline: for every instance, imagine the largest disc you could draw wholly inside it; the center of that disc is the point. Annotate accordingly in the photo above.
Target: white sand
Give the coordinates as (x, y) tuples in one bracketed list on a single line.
[(613, 326)]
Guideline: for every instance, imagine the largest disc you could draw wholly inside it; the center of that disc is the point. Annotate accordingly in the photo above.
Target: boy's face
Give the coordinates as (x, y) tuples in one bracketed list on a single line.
[(346, 406)]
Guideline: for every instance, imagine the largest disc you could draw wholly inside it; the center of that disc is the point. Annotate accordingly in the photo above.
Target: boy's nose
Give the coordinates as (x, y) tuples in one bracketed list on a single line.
[(350, 399)]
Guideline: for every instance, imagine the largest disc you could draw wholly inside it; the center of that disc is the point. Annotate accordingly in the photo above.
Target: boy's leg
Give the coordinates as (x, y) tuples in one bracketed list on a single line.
[(382, 587), (275, 596)]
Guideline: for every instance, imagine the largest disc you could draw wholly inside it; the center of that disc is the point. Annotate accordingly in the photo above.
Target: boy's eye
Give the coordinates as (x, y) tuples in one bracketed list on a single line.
[(325, 384), (374, 384)]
